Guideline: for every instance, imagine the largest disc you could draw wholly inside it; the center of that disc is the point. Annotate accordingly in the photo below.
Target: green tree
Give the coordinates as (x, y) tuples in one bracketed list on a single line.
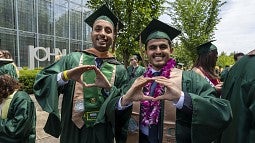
[(225, 60), (135, 14), (180, 55), (197, 19)]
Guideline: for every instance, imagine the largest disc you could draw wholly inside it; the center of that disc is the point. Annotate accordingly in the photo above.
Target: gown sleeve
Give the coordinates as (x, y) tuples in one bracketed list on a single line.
[(47, 91), (210, 115), (21, 119), (239, 89)]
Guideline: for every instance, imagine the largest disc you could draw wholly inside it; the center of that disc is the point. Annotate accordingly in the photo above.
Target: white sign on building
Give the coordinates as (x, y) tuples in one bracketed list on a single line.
[(34, 54)]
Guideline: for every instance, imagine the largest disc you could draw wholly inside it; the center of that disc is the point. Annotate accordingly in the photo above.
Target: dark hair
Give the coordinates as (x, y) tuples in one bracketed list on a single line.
[(7, 86), (137, 57), (7, 54), (238, 55), (208, 62)]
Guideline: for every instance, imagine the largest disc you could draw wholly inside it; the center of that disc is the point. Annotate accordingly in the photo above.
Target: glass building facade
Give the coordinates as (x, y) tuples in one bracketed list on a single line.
[(43, 23)]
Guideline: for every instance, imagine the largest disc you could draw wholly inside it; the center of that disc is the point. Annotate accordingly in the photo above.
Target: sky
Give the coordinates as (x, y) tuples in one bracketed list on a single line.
[(236, 30)]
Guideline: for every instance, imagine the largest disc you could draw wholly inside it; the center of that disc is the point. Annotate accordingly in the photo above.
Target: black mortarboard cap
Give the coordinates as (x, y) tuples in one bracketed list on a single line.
[(181, 64), (106, 14), (206, 47), (139, 58), (5, 61), (158, 30)]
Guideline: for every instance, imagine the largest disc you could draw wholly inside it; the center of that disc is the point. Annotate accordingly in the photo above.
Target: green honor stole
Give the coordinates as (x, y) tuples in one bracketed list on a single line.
[(93, 98)]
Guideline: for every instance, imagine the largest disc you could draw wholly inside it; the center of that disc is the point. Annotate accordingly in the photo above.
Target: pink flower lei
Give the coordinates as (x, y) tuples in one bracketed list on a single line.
[(151, 109)]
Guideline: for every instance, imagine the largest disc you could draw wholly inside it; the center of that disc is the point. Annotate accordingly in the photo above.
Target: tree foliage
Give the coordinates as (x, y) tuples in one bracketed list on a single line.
[(197, 19), (225, 60), (135, 14)]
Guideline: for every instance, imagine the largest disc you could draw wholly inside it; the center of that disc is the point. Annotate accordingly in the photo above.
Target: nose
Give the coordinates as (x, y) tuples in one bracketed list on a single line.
[(102, 33), (158, 50)]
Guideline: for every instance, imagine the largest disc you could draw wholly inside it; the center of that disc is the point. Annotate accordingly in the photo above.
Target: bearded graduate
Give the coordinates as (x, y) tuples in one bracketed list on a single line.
[(200, 116), (90, 82)]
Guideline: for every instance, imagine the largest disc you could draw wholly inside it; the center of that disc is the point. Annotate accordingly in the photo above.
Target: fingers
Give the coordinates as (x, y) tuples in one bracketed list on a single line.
[(97, 71), (159, 98), (80, 69), (85, 67), (82, 83), (90, 85), (142, 81), (147, 98), (163, 81)]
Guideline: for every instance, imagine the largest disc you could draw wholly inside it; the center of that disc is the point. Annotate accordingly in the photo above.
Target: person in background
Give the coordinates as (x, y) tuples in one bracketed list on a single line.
[(17, 113), (237, 57), (1, 54), (58, 57), (217, 70), (224, 73), (200, 116), (135, 69), (10, 68), (239, 89), (90, 82), (205, 65), (180, 66)]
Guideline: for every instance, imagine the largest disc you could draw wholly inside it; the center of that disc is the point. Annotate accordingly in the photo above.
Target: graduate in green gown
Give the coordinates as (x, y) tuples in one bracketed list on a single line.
[(205, 64), (200, 116), (17, 113), (237, 57), (239, 89), (9, 68), (90, 82), (135, 69)]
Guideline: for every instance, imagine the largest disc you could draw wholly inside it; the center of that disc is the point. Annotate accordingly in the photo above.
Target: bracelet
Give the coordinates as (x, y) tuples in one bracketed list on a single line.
[(65, 75)]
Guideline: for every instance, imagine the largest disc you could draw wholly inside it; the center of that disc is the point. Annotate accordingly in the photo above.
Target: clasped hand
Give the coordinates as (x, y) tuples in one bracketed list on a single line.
[(135, 93), (100, 80)]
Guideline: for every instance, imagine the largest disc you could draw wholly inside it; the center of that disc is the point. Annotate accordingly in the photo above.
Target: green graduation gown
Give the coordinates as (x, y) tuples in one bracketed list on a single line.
[(19, 126), (239, 89), (9, 69), (209, 117), (110, 122), (138, 72)]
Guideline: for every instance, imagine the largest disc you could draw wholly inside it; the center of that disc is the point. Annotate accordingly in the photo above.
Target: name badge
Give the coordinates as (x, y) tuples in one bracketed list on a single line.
[(90, 116)]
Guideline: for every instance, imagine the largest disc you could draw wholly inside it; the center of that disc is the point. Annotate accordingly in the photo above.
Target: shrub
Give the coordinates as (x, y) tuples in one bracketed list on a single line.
[(27, 78)]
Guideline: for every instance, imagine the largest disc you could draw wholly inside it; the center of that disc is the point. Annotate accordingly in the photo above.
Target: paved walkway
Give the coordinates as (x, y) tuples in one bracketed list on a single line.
[(41, 136)]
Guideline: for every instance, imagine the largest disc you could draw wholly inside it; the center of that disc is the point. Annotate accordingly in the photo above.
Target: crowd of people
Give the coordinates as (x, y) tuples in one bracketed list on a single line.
[(106, 102)]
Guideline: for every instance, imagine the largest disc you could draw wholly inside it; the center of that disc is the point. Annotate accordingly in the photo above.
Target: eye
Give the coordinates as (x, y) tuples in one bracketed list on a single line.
[(98, 28), (152, 47), (108, 30), (163, 46)]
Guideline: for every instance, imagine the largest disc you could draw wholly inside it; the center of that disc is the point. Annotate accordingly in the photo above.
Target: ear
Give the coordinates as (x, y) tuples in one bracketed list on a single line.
[(171, 50), (114, 41)]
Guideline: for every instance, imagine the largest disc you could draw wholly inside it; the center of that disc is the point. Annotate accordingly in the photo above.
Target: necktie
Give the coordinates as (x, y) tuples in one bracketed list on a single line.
[(99, 62), (154, 84), (153, 129), (133, 72)]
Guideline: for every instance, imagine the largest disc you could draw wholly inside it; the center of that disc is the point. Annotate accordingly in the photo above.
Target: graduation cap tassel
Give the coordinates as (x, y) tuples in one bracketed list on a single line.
[(141, 51)]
